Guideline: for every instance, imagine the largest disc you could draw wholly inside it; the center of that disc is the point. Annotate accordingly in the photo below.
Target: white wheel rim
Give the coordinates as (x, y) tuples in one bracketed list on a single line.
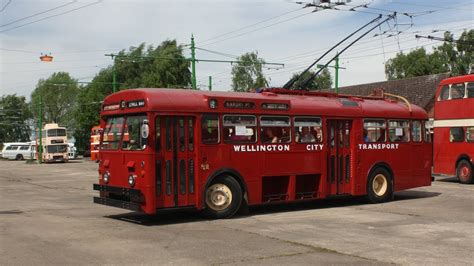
[(380, 185), (218, 197)]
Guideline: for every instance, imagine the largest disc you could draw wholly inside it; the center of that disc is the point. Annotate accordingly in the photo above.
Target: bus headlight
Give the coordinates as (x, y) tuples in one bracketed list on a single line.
[(131, 180), (106, 177)]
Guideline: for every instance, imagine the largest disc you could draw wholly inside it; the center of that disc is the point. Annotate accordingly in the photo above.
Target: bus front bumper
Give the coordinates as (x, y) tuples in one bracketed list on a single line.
[(125, 198)]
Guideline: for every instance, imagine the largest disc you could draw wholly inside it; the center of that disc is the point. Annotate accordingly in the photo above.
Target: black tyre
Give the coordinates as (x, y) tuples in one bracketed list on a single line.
[(223, 198), (379, 186), (464, 172), (19, 157)]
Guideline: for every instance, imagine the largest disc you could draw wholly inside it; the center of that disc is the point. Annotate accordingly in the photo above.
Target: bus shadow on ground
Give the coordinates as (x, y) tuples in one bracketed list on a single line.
[(448, 179), (178, 217)]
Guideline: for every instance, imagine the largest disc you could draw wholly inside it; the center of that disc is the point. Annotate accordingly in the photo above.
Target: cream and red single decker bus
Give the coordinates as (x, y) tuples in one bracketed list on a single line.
[(454, 128), (218, 151)]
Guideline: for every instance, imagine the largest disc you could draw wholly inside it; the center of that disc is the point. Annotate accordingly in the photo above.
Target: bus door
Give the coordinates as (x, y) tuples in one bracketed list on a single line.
[(177, 184), (339, 156)]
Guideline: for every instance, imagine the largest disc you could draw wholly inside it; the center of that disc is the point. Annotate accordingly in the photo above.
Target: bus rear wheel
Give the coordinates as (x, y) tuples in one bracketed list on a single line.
[(464, 172), (379, 186), (223, 198), (19, 157)]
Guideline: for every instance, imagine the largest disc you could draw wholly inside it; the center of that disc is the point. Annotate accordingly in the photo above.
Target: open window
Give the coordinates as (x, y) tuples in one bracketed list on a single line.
[(239, 128), (275, 129), (308, 130), (374, 130)]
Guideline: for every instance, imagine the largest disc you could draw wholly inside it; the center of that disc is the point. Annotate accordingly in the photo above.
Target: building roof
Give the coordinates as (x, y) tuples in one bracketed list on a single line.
[(418, 90)]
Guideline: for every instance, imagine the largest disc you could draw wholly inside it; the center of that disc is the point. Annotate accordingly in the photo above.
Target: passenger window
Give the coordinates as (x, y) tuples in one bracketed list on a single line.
[(456, 134), (210, 129), (399, 131), (158, 133), (240, 128), (23, 148), (374, 130), (308, 130), (470, 90), (275, 129), (132, 139), (428, 127), (457, 91), (444, 94), (470, 134), (416, 131), (181, 134)]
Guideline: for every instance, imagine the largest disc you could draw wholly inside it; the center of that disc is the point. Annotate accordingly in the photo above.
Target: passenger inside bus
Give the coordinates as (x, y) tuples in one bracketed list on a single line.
[(269, 136), (305, 135)]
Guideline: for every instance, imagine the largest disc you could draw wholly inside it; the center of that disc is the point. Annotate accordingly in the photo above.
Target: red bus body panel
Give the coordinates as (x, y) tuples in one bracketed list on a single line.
[(298, 172)]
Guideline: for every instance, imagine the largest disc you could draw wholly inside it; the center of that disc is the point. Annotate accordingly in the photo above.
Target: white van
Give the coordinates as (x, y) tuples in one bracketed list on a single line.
[(19, 150)]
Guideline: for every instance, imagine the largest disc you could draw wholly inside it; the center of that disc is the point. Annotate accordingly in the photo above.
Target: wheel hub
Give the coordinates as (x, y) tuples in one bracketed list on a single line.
[(218, 197), (380, 185)]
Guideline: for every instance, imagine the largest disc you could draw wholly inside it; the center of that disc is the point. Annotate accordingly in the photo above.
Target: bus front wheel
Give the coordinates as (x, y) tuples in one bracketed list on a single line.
[(464, 172), (223, 198), (19, 157), (379, 186)]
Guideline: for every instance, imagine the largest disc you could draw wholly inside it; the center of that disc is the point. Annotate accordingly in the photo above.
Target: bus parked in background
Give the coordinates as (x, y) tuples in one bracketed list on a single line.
[(19, 150), (55, 145), (454, 128), (216, 151), (95, 143)]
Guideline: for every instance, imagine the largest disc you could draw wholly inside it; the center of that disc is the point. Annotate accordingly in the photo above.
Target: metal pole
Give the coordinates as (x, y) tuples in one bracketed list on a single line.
[(210, 83), (114, 77), (193, 63), (337, 73), (40, 131)]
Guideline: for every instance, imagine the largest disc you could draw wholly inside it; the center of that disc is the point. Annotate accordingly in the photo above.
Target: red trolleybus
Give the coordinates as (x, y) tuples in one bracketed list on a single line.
[(454, 128), (214, 151)]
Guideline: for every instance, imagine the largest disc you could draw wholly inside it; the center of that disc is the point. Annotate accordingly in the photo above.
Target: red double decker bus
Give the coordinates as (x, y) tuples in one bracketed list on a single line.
[(454, 128), (215, 151), (95, 142)]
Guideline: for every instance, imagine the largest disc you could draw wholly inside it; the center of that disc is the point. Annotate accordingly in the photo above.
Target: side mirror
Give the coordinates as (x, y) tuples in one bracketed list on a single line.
[(145, 130)]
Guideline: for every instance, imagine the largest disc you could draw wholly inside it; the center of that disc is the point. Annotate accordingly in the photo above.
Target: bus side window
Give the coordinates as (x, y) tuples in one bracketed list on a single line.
[(416, 131), (470, 90), (240, 128), (308, 130), (374, 130), (210, 129), (275, 129), (427, 131), (456, 134), (399, 130), (444, 94), (470, 134)]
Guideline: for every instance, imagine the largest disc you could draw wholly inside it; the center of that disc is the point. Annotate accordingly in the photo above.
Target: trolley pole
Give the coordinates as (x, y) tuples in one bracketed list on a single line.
[(193, 63), (337, 73), (40, 131), (210, 83)]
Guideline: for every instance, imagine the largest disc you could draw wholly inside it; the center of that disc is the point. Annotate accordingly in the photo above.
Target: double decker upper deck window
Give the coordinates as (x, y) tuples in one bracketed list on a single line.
[(240, 128), (399, 130), (470, 90), (457, 91), (132, 139), (374, 130), (112, 133)]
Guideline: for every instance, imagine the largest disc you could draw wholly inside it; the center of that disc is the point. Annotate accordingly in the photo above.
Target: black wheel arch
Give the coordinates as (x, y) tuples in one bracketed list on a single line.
[(226, 171), (462, 157)]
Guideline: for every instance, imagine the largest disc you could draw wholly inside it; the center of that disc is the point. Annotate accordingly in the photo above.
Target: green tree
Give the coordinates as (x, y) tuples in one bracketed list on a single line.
[(247, 73), (450, 56), (15, 117), (58, 94), (321, 82)]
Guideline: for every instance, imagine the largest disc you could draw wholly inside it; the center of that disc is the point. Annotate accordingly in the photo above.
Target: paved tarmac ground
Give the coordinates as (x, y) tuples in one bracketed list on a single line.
[(47, 217)]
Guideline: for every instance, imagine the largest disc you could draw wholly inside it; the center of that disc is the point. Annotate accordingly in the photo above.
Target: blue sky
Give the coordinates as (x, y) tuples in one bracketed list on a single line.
[(280, 30)]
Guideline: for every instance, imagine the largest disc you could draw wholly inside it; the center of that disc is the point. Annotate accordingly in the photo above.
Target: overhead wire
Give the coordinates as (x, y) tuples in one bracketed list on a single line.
[(5, 6)]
